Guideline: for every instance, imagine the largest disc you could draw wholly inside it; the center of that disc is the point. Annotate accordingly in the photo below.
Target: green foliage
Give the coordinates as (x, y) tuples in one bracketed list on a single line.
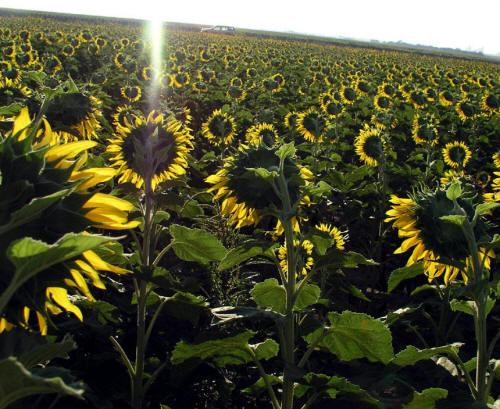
[(353, 335), (270, 294), (426, 399), (196, 245)]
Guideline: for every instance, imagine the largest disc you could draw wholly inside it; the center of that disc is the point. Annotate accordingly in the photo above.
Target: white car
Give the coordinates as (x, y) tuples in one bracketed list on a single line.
[(219, 30)]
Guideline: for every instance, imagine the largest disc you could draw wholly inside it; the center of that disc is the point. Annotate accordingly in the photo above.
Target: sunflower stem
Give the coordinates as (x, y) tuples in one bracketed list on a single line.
[(288, 352)]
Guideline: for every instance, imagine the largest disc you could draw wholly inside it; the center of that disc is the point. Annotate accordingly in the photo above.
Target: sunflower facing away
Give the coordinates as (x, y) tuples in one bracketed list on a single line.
[(52, 169), (334, 233), (219, 128), (246, 196), (456, 154), (424, 131), (433, 240), (262, 134), (306, 261), (152, 145)]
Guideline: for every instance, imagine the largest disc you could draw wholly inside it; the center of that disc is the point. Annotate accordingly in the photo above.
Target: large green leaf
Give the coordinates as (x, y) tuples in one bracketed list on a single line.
[(404, 273), (308, 295), (228, 351), (32, 210), (270, 293), (196, 245), (426, 399), (17, 382), (44, 353), (468, 306), (353, 335), (245, 251), (334, 386), (335, 258), (411, 355), (31, 256), (185, 306)]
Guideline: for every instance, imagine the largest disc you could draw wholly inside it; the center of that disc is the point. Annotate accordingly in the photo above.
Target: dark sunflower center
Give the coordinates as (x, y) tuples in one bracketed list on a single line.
[(426, 133), (131, 92), (235, 92), (467, 109), (164, 144), (457, 154), (349, 94), (220, 126), (268, 136), (333, 108), (492, 102), (447, 96), (383, 102), (373, 147), (314, 123)]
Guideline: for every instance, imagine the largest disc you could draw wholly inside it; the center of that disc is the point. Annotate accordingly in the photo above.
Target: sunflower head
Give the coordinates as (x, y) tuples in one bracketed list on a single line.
[(246, 184), (424, 130), (369, 145), (382, 102), (36, 167), (456, 154), (263, 133), (235, 93), (490, 104), (304, 249), (446, 98), (131, 93), (152, 149), (291, 120), (311, 125), (465, 110), (435, 242), (348, 95), (333, 109), (219, 128)]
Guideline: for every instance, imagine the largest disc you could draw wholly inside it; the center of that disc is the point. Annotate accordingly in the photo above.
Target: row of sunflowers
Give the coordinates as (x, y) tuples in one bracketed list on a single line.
[(155, 185)]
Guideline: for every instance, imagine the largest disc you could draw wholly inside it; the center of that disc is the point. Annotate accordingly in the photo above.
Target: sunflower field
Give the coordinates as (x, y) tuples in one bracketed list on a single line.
[(194, 220)]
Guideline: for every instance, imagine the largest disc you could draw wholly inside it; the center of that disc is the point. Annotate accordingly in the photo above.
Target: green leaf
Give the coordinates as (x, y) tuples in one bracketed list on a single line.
[(468, 306), (227, 314), (270, 294), (404, 273), (320, 189), (196, 245), (245, 251), (353, 335), (411, 355), (260, 387), (265, 174), (335, 258), (185, 306), (322, 241), (334, 386), (394, 316), (104, 310), (485, 208), (426, 399), (286, 151), (11, 110), (455, 219), (266, 350), (454, 191), (41, 354), (423, 287), (309, 295), (32, 210), (228, 351), (16, 382)]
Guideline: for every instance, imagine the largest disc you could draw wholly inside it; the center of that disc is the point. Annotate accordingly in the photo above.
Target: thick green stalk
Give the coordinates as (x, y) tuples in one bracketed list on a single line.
[(288, 352)]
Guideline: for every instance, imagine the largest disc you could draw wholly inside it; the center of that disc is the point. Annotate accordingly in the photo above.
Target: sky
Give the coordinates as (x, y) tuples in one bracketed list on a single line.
[(464, 24)]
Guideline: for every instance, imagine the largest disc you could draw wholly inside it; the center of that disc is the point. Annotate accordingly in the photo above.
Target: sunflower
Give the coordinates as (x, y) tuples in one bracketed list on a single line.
[(490, 104), (52, 65), (311, 125), (125, 116), (363, 87), (369, 145), (11, 92), (219, 128), (456, 154), (200, 86), (50, 169), (236, 82), (152, 146), (496, 159), (450, 176), (324, 98), (72, 113), (348, 95), (181, 79), (291, 120), (262, 134), (433, 240), (465, 110), (446, 98), (424, 130), (334, 233), (236, 93), (382, 102), (246, 196), (131, 93), (334, 109), (270, 84), (98, 78), (306, 248)]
